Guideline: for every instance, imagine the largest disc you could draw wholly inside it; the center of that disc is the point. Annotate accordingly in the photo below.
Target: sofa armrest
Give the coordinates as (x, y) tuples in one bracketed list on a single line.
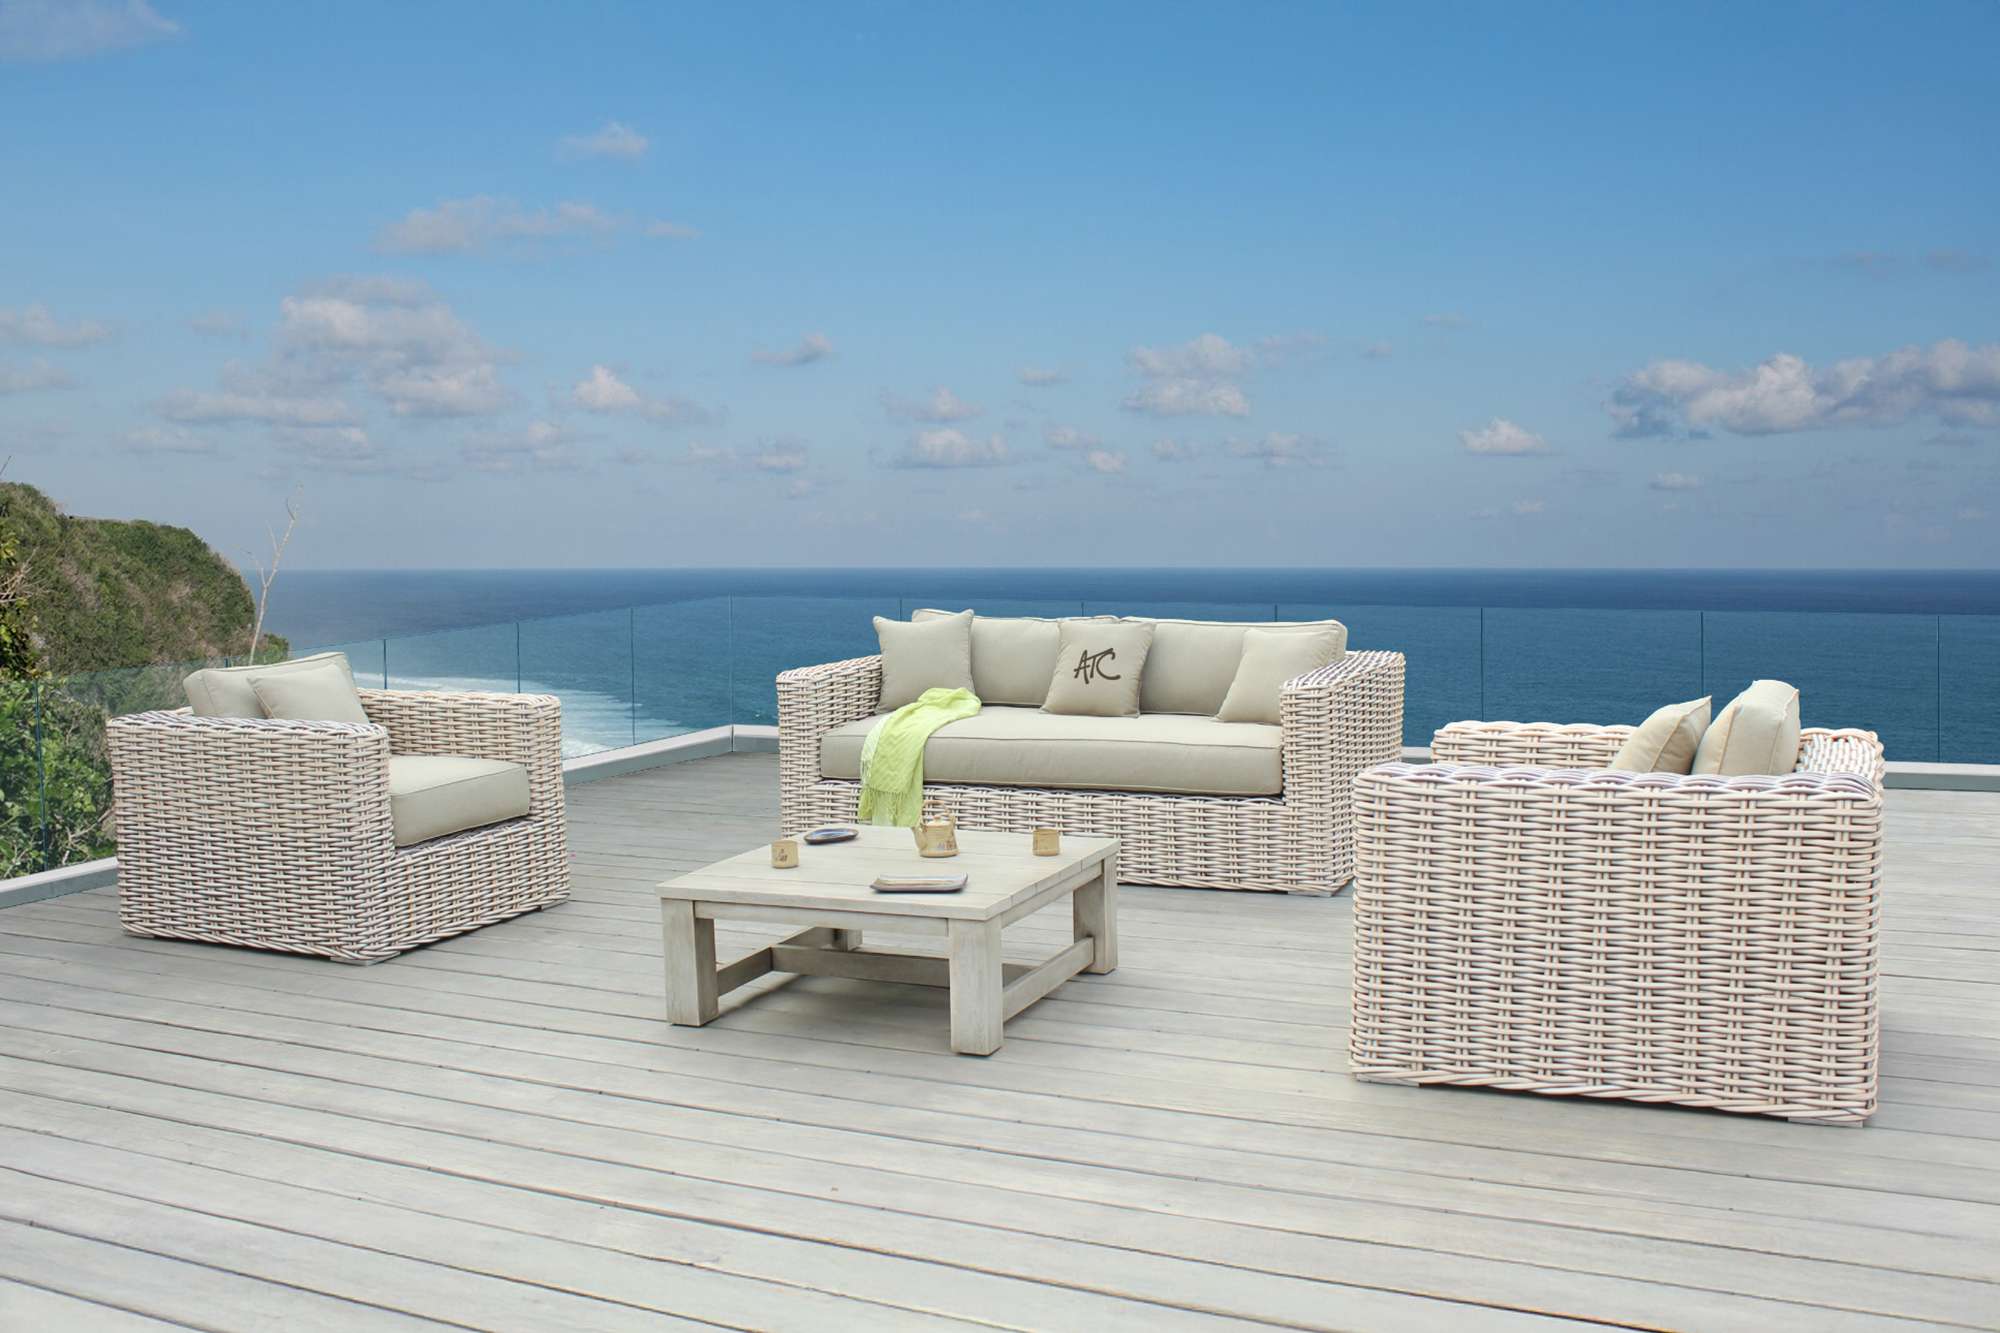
[(524, 729), (1528, 744), (1335, 722), (230, 800), (812, 701), (1827, 750)]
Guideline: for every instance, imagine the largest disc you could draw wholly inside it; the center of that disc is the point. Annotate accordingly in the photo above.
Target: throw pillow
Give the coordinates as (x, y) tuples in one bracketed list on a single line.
[(226, 692), (1012, 657), (1270, 658), (924, 655), (1098, 668), (1756, 732), (317, 694), (1666, 741)]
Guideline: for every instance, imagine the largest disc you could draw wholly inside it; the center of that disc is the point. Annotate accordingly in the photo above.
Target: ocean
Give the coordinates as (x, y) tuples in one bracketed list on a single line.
[(639, 654)]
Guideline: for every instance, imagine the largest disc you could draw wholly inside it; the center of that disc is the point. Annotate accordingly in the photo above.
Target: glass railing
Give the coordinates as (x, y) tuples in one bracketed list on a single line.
[(1930, 685)]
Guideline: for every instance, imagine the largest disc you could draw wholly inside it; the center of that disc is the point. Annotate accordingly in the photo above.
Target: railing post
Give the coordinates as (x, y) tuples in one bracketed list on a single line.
[(42, 839), (632, 664), (517, 657), (1482, 663), (1701, 651), (385, 661), (1940, 689), (729, 622)]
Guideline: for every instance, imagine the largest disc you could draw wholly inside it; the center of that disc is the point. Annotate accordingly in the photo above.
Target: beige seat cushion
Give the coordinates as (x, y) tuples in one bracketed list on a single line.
[(431, 795), (320, 693), (1194, 662), (1013, 657), (1666, 741), (1026, 747), (919, 655), (1099, 665), (1270, 658), (226, 692), (1756, 732)]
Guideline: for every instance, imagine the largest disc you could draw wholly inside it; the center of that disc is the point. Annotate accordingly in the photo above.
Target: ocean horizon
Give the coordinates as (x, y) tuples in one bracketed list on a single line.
[(638, 654)]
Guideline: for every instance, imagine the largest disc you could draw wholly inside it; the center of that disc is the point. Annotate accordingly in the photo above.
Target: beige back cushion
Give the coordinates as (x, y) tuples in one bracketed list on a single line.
[(226, 692), (1271, 657), (1012, 656), (1099, 667), (1756, 732), (924, 655), (1666, 741), (1193, 662), (320, 693)]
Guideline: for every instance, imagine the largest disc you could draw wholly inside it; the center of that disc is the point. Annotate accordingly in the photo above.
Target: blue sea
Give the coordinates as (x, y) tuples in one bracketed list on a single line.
[(640, 654)]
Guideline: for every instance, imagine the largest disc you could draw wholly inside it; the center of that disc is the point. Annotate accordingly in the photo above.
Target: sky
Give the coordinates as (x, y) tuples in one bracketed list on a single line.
[(594, 285)]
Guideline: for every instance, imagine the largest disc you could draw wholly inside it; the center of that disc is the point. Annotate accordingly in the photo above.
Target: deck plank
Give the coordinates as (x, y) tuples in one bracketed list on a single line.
[(502, 1130)]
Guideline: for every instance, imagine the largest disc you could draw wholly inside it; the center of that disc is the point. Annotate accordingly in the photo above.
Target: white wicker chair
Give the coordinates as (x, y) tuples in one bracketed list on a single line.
[(1335, 721), (1526, 918), (277, 835)]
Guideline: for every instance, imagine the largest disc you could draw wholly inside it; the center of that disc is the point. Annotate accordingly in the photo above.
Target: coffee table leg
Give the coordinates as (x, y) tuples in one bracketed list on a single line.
[(1094, 915), (975, 987), (689, 942)]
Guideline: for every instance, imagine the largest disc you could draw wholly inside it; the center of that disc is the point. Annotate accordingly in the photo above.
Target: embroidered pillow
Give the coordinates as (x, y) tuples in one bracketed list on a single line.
[(1098, 666)]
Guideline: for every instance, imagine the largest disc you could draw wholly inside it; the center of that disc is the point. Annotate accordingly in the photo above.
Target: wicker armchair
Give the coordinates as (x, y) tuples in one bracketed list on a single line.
[(1526, 918), (1335, 722), (277, 834)]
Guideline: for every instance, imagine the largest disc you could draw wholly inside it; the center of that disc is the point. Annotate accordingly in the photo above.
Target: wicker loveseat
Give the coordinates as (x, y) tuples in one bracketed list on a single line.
[(1295, 836), (1526, 918), (279, 834)]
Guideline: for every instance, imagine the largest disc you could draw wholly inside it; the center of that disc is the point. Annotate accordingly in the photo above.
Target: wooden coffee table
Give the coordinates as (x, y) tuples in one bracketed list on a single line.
[(828, 895)]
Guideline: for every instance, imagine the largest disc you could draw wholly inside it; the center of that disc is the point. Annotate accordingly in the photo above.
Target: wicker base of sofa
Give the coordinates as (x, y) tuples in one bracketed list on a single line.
[(429, 892), (1202, 842), (1851, 1108)]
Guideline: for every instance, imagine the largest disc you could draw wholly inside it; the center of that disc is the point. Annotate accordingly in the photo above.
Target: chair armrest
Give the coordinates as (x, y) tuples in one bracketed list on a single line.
[(524, 729), (1529, 744), (1333, 723), (249, 791), (1827, 750), (812, 701)]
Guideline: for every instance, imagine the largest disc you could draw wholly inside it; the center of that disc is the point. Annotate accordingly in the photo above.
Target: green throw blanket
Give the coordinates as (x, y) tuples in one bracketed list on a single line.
[(892, 758)]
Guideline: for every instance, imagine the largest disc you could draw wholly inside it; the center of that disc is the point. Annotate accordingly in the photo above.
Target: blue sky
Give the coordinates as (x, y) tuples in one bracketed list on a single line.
[(506, 285)]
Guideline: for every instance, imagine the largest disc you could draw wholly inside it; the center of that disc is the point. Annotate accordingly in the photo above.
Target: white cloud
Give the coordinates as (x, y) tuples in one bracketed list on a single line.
[(1279, 449), (267, 408), (660, 229), (612, 139), (1069, 437), (1956, 383), (602, 392), (34, 375), (217, 324), (1519, 509), (1040, 377), (1175, 451), (465, 226), (942, 406), (169, 440), (1377, 351), (1447, 319), (1188, 398), (778, 456), (353, 451), (397, 337), (1107, 461), (813, 347), (1209, 356), (949, 447), (45, 30), (1675, 481), (35, 326), (1502, 438), (544, 446)]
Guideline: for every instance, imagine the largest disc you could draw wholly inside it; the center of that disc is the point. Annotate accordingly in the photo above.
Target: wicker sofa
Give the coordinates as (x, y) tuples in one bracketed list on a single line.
[(279, 834), (1295, 837), (1526, 918)]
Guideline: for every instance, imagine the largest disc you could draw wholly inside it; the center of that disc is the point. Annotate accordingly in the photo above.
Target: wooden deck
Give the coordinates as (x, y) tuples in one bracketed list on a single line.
[(502, 1132)]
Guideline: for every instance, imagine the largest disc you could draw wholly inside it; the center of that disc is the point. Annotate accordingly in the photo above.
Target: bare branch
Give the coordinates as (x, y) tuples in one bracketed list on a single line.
[(266, 577)]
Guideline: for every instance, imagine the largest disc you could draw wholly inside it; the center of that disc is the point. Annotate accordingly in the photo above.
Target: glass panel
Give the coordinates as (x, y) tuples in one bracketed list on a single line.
[(480, 657), (1969, 703), (76, 771), (365, 658), (773, 634), (21, 835), (1878, 672), (1440, 648), (1171, 610), (1563, 665), (587, 662), (684, 667), (994, 606)]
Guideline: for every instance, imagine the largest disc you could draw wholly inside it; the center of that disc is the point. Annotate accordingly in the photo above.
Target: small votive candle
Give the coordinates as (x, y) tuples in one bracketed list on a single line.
[(785, 854), (1048, 842)]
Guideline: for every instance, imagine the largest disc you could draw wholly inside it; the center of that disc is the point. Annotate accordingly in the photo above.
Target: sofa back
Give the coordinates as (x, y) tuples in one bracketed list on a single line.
[(1188, 669)]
